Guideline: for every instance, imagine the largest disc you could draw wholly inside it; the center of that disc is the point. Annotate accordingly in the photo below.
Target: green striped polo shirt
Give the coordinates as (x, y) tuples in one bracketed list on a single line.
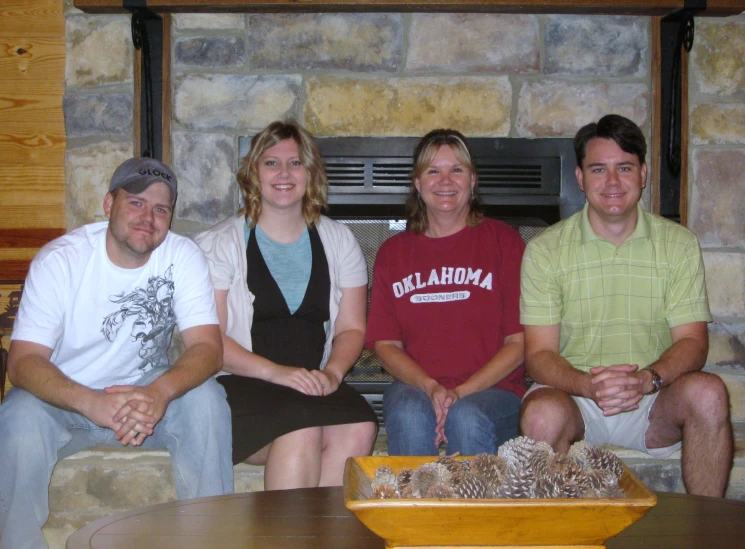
[(615, 305)]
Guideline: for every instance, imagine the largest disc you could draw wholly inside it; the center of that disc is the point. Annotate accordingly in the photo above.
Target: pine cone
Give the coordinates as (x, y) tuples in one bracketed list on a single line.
[(425, 476), (593, 457), (547, 487), (564, 465), (467, 485), (539, 463), (518, 451), (452, 464), (491, 468), (384, 491), (384, 475), (403, 481), (518, 483), (600, 479), (440, 490)]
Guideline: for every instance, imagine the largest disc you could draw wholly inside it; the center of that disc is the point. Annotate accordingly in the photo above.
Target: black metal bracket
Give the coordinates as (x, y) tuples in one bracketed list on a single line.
[(147, 36), (676, 33)]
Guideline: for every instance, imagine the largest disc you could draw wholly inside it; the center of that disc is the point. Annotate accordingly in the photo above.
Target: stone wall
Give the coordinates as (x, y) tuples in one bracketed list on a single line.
[(717, 194), (386, 74)]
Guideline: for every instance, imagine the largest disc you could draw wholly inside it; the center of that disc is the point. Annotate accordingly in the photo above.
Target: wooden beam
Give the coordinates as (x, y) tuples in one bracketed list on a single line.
[(14, 269), (31, 18), (27, 238), (618, 7)]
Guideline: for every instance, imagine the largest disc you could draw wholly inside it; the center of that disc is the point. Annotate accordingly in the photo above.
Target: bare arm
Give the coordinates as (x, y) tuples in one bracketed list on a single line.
[(29, 368), (686, 354), (240, 361), (201, 360), (349, 337), (502, 364), (546, 366)]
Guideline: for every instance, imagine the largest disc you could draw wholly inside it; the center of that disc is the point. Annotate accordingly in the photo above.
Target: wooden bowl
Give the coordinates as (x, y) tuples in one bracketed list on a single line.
[(463, 523)]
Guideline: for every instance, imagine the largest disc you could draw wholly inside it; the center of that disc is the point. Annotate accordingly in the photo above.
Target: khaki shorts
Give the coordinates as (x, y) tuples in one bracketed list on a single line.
[(627, 429)]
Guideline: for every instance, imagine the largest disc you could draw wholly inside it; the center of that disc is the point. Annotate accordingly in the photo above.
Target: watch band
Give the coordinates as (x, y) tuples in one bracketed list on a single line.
[(656, 380)]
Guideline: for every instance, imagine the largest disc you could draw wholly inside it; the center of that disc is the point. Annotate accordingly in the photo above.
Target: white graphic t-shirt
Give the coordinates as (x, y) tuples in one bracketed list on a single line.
[(108, 325)]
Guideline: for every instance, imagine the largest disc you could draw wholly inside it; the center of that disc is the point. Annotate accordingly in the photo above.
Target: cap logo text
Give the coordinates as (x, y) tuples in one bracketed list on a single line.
[(155, 172)]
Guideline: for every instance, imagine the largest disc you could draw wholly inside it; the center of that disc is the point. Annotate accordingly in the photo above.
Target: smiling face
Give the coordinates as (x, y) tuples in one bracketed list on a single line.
[(283, 178), (445, 185), (138, 223), (612, 181)]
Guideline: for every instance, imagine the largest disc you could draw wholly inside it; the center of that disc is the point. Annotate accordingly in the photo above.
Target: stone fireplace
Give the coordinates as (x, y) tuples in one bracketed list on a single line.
[(396, 75)]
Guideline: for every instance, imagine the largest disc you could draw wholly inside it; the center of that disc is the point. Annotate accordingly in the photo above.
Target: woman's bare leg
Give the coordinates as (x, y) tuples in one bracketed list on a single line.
[(341, 442)]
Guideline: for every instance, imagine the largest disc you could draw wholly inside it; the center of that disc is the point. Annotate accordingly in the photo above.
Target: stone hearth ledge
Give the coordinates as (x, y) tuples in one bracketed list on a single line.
[(103, 481)]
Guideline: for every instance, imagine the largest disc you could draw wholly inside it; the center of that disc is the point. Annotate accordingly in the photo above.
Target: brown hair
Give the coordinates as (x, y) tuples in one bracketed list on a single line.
[(627, 135), (424, 154), (314, 200)]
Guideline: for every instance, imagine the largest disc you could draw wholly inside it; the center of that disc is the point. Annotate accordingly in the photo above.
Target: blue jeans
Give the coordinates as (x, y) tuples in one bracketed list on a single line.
[(34, 435), (475, 424)]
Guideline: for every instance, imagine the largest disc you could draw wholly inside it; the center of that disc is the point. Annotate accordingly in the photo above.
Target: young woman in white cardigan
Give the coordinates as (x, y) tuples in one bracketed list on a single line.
[(291, 292)]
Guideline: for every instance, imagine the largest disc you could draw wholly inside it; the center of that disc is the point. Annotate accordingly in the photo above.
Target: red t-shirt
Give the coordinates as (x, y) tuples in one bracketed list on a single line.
[(451, 301)]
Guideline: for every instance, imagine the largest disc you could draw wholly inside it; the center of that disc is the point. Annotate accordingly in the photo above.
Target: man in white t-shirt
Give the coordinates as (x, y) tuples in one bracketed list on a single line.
[(88, 357)]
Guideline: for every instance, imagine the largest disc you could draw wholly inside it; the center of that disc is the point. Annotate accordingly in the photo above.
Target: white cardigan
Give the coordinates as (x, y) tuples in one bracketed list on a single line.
[(225, 249)]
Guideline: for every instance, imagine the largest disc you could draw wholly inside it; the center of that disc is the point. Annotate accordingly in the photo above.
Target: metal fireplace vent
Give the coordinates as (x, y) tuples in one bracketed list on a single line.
[(533, 174)]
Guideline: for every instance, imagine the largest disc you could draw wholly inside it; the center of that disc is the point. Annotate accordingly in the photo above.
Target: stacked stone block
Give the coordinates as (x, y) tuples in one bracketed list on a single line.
[(717, 200), (391, 74), (98, 108)]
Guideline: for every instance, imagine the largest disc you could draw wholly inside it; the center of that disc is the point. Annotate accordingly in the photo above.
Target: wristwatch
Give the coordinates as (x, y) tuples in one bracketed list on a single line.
[(656, 380)]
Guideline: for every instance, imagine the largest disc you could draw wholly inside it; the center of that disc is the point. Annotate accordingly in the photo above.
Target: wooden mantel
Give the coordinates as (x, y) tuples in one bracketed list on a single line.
[(618, 7)]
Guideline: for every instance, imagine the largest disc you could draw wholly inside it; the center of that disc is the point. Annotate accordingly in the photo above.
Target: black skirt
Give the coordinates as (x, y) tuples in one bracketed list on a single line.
[(262, 411)]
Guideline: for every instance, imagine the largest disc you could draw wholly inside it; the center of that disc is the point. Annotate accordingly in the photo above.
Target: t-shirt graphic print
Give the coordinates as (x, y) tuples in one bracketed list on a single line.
[(152, 311)]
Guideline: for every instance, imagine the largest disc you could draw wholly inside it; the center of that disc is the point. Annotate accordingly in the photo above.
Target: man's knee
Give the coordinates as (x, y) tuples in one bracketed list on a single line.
[(24, 417), (545, 411), (705, 396), (204, 406)]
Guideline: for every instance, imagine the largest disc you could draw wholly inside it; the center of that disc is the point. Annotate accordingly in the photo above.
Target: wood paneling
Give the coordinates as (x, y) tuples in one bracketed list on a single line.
[(18, 86), (627, 7), (35, 215), (22, 142), (32, 196), (32, 18), (17, 254), (32, 130), (24, 107), (32, 58), (35, 180), (14, 269), (27, 238)]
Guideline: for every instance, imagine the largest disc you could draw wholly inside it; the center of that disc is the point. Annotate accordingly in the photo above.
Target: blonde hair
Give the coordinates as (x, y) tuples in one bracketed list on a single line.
[(314, 201), (424, 154)]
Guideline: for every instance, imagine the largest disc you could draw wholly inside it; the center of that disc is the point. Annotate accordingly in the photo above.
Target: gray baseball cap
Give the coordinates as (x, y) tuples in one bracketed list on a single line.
[(137, 174)]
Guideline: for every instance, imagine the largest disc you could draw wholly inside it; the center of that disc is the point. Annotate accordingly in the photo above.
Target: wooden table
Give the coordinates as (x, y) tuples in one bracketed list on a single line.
[(317, 519)]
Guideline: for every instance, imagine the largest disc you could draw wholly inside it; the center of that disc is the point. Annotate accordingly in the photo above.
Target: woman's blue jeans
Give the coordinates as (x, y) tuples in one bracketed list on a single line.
[(475, 424)]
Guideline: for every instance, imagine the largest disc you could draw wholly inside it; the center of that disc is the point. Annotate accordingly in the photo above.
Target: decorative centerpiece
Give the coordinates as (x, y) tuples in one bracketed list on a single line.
[(523, 468), (526, 496)]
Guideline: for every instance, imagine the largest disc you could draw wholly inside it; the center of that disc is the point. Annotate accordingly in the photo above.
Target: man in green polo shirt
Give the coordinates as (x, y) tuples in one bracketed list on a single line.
[(615, 311)]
